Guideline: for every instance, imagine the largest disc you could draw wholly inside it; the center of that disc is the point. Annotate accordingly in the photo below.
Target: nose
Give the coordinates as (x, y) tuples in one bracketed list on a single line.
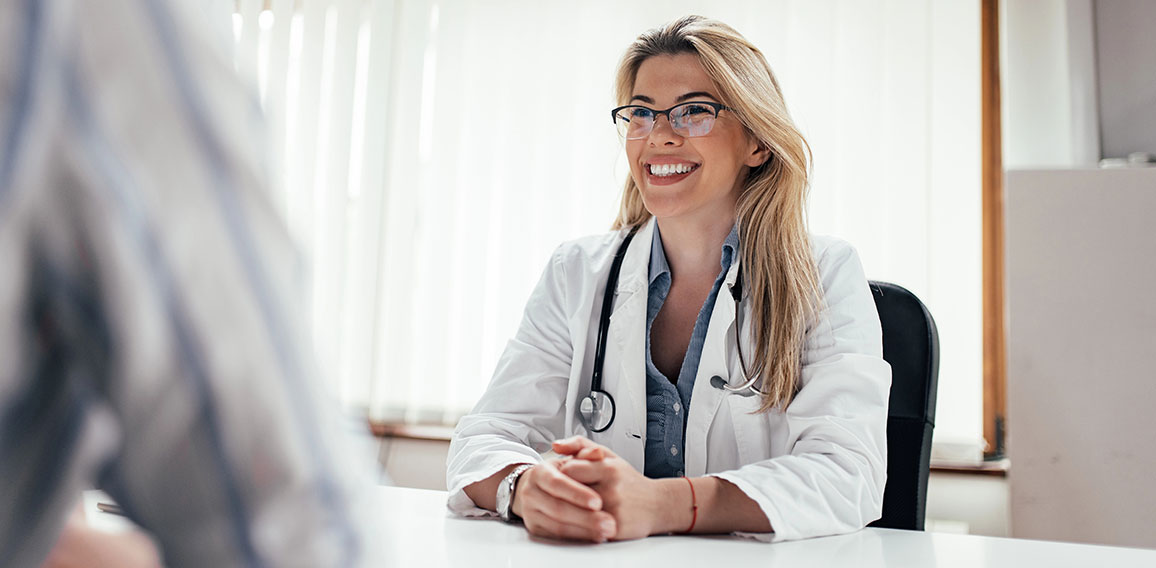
[(662, 133)]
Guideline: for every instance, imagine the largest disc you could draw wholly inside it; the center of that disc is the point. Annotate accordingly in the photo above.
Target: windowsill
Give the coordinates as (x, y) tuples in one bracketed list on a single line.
[(437, 433), (430, 432), (994, 468)]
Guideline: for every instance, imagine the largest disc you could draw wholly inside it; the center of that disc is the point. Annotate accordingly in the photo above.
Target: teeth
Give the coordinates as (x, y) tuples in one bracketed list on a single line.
[(670, 169)]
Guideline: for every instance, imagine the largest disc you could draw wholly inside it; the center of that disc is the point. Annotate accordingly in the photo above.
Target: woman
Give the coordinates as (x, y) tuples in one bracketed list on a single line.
[(718, 176)]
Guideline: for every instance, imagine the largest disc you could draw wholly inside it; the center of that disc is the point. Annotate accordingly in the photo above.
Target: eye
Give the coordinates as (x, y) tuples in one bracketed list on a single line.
[(639, 113), (697, 109)]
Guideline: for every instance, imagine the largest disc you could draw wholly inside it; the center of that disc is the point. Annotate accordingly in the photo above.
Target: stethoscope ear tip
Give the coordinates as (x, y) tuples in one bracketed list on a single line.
[(718, 382)]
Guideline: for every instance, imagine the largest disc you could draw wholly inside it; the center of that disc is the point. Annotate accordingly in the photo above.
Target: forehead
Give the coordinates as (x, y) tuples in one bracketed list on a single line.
[(663, 78)]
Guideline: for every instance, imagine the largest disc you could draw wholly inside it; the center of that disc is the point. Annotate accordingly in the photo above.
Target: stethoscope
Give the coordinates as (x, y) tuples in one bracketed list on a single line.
[(596, 410)]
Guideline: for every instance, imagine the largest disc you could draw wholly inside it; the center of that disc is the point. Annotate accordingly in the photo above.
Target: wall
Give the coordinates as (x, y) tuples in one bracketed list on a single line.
[(1082, 355), (1079, 81), (1126, 64), (1048, 79)]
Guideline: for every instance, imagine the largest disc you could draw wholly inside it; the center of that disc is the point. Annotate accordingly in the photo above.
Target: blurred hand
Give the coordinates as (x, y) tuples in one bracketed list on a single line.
[(553, 505), (630, 497), (82, 546)]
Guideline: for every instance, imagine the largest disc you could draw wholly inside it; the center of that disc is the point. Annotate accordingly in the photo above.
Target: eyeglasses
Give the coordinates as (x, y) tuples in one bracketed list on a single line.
[(686, 119)]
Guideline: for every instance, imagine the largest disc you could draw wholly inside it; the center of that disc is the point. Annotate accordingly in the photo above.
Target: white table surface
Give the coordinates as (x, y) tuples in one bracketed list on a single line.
[(419, 532)]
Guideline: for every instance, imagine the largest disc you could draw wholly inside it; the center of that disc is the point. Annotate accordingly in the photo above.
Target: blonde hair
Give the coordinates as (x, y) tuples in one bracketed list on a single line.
[(780, 279)]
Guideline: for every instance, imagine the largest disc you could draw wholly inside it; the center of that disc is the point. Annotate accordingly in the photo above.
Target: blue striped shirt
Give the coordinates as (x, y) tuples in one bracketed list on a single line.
[(667, 402), (147, 301)]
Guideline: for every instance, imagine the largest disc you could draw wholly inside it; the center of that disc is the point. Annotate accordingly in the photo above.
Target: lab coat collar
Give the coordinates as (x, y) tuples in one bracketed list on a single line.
[(626, 345)]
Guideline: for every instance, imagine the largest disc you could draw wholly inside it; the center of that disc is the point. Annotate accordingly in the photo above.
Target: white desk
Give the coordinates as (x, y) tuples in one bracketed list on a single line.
[(418, 532)]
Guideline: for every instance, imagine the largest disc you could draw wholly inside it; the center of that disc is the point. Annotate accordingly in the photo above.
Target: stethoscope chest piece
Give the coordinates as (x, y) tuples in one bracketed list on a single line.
[(597, 410)]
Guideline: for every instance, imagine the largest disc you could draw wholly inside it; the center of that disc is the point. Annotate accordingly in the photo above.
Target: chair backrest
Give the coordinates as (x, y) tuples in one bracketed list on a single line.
[(911, 346)]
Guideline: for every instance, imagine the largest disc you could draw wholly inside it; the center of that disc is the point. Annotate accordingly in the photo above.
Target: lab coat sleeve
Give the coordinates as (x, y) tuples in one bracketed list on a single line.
[(832, 480), (521, 412)]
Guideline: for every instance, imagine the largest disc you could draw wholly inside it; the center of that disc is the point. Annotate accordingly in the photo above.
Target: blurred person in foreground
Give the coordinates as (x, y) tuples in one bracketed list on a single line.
[(148, 327)]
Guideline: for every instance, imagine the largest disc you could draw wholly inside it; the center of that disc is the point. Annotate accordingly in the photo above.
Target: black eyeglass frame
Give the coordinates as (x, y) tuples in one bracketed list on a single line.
[(718, 107)]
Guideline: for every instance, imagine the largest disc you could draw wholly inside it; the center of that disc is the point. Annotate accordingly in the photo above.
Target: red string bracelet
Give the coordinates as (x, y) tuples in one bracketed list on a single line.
[(693, 506)]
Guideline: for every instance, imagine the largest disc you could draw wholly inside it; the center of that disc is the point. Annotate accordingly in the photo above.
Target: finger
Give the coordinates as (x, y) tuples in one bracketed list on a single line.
[(549, 528), (559, 519), (591, 453), (572, 445), (595, 522), (561, 486), (578, 446), (585, 472)]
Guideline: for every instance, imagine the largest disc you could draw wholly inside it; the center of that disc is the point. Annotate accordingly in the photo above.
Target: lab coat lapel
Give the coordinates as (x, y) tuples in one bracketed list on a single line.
[(626, 346), (705, 398)]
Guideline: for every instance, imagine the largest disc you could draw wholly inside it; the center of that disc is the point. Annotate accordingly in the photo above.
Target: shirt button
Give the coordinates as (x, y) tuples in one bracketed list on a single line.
[(680, 473), (673, 451), (677, 407)]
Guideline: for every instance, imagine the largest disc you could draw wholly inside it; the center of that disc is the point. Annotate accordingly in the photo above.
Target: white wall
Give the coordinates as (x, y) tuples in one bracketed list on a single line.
[(1081, 270), (1048, 81), (1126, 59)]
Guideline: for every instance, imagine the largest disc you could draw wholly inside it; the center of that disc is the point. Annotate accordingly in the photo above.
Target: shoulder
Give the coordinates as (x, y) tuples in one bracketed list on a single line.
[(834, 256), (847, 316), (587, 252)]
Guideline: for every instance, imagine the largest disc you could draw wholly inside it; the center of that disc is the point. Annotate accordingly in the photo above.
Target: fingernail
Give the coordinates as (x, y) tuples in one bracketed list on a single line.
[(593, 504), (607, 528)]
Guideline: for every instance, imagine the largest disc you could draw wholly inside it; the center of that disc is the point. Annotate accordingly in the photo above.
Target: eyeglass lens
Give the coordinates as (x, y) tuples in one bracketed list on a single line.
[(687, 120)]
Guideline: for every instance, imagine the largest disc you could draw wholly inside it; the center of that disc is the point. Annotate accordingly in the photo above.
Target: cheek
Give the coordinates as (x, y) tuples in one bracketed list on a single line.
[(633, 152)]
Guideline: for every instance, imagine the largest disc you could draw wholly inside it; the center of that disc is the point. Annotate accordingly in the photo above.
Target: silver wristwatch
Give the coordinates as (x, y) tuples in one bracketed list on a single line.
[(506, 493)]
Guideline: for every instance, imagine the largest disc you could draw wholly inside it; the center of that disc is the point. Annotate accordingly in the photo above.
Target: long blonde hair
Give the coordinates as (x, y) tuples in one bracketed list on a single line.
[(780, 279)]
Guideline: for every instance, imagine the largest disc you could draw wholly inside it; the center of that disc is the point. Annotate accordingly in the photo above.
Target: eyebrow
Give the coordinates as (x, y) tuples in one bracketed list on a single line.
[(686, 97)]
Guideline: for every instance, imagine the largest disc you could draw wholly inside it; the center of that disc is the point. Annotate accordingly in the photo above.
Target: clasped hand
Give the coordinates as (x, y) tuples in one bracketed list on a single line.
[(588, 493)]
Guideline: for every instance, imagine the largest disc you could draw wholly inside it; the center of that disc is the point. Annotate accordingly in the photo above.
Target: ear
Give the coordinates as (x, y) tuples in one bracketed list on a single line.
[(759, 155)]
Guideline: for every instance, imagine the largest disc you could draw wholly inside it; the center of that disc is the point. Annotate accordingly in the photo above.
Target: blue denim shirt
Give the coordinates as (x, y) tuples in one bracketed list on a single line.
[(667, 403)]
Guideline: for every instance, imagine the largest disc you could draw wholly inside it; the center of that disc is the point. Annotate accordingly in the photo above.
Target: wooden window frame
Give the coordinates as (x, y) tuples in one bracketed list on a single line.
[(994, 329)]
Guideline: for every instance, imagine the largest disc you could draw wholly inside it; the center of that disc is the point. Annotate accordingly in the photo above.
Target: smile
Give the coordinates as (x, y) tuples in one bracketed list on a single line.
[(664, 170)]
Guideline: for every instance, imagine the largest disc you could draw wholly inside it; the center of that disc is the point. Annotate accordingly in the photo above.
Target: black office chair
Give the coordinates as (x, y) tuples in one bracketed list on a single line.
[(911, 346)]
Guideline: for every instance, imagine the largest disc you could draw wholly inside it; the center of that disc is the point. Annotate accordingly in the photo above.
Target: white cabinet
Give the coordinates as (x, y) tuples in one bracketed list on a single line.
[(1081, 297)]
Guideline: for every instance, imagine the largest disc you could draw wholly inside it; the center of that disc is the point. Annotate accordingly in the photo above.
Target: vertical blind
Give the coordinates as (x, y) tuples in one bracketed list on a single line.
[(432, 153)]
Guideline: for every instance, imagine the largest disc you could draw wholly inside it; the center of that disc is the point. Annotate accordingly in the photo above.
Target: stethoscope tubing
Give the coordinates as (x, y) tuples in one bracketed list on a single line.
[(607, 307)]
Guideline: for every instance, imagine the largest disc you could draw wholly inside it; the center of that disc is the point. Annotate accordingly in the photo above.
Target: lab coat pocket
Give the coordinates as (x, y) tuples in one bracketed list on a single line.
[(752, 428)]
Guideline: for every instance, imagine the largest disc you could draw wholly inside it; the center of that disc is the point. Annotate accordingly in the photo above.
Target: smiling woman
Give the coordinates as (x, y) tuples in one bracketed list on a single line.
[(667, 428)]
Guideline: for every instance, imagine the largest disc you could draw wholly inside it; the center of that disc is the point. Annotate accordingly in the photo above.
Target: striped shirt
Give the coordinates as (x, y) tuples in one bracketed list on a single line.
[(149, 339)]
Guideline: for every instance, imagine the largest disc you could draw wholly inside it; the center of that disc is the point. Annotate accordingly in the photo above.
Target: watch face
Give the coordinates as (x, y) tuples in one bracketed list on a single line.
[(504, 498)]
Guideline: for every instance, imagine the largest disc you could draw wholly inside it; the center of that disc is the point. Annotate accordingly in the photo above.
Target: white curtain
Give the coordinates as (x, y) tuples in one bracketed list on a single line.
[(434, 152)]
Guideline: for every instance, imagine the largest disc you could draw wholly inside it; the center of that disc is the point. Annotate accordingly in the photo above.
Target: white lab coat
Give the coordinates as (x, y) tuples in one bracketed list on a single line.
[(816, 469)]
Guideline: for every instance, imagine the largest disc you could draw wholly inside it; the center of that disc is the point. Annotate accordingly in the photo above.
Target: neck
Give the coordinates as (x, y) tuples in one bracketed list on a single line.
[(693, 247)]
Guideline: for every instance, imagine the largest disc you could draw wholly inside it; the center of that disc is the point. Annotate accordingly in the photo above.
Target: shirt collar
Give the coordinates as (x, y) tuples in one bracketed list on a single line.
[(659, 265)]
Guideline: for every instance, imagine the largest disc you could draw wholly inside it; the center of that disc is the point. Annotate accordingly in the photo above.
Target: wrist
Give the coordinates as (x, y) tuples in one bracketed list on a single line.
[(515, 502), (507, 493), (673, 513)]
